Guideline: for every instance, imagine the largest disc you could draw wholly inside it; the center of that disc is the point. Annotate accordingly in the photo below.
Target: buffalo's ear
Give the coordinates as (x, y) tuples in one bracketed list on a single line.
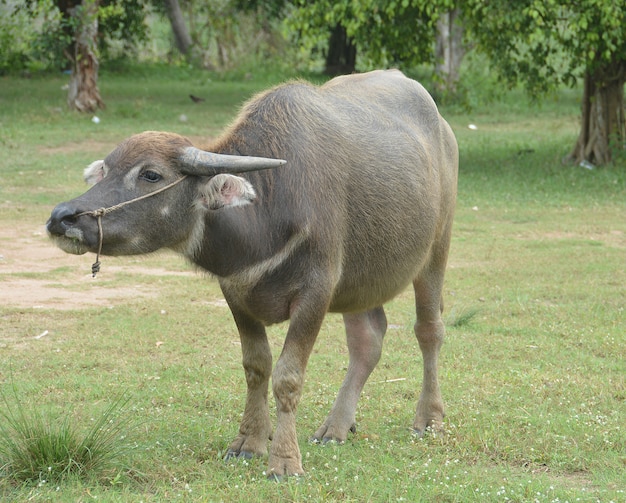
[(226, 190), (95, 172)]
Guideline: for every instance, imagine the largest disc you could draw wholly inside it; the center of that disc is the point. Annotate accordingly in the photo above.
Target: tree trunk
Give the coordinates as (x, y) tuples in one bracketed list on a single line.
[(181, 34), (341, 56), (449, 51), (603, 125), (84, 94)]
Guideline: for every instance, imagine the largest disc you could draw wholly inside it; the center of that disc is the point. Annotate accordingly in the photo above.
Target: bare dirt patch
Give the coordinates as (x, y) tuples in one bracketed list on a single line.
[(26, 255)]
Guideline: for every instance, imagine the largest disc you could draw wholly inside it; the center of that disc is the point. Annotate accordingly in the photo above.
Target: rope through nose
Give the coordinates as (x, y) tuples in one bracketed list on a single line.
[(99, 213), (95, 267)]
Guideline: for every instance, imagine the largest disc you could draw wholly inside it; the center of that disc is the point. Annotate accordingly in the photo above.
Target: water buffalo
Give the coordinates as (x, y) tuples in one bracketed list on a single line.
[(361, 208)]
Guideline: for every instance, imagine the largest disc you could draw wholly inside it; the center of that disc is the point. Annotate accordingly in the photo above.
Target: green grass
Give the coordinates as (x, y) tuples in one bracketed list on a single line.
[(533, 370), (42, 449)]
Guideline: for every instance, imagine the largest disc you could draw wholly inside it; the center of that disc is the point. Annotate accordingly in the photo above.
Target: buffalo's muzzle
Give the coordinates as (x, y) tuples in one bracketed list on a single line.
[(63, 217)]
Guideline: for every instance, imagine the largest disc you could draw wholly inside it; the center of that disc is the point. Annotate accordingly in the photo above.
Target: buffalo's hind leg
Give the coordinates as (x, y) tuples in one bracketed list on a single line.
[(429, 330), (255, 429), (364, 333)]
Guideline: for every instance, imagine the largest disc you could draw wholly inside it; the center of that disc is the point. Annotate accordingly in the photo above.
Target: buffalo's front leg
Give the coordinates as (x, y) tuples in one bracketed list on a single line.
[(255, 429), (287, 382), (364, 332)]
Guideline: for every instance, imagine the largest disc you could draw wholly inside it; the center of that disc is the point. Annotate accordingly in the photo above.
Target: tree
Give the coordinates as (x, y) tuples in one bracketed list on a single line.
[(179, 28), (121, 20), (449, 50), (382, 32), (84, 94), (339, 51), (47, 30), (545, 43), (385, 33), (72, 34), (341, 54)]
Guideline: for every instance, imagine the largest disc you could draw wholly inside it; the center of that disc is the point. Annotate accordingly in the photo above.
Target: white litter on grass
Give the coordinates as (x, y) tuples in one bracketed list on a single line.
[(42, 334), (586, 164), (95, 119), (397, 379), (473, 127)]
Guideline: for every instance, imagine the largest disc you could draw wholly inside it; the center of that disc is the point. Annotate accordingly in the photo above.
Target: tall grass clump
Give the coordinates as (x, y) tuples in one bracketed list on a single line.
[(39, 448), (461, 316)]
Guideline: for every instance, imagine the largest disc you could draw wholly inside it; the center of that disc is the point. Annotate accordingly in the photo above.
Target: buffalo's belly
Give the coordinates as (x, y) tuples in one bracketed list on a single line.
[(271, 302), (358, 294)]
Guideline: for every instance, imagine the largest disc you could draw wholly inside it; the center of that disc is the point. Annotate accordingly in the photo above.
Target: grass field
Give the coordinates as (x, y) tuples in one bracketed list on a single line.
[(533, 370)]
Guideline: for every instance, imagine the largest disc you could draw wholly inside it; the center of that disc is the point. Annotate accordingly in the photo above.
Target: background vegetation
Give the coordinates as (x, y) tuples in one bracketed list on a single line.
[(540, 44), (533, 370)]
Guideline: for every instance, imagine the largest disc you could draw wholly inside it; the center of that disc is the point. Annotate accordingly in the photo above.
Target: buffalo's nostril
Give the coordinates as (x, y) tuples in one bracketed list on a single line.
[(61, 219)]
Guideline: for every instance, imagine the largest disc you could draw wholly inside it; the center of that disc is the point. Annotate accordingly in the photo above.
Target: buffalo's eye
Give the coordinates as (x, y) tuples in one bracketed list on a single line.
[(150, 176)]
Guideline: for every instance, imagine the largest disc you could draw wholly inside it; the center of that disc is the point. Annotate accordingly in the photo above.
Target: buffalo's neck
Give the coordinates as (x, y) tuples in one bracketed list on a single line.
[(237, 241)]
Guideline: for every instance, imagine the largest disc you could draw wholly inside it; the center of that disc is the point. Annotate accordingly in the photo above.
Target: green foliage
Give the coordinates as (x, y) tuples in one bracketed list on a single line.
[(397, 33), (36, 35), (546, 43), (49, 48), (227, 35), (24, 43), (123, 23), (270, 8)]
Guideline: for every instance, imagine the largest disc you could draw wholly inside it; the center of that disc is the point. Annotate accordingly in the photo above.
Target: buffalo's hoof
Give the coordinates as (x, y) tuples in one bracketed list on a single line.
[(328, 440), (272, 477), (417, 433), (235, 455), (429, 430)]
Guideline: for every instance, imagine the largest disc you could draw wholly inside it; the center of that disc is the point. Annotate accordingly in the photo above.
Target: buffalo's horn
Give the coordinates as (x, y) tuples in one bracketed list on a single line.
[(202, 163)]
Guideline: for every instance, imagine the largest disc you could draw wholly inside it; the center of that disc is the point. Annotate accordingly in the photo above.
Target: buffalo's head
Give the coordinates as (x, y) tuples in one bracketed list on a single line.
[(149, 193)]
